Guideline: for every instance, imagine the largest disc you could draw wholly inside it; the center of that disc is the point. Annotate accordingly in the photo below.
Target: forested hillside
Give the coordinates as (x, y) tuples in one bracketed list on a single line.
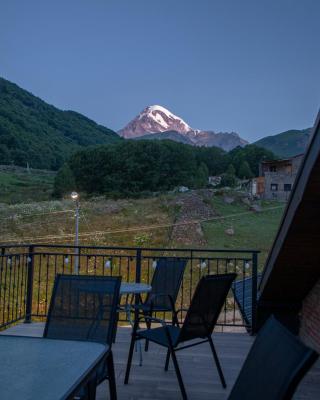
[(34, 132), (135, 167)]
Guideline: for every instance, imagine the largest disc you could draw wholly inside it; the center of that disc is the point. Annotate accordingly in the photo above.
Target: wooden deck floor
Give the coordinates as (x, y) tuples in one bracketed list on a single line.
[(197, 367)]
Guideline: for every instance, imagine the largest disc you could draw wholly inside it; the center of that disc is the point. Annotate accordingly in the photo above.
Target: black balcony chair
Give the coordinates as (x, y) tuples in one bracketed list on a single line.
[(84, 308), (242, 292), (166, 282), (276, 363), (199, 323)]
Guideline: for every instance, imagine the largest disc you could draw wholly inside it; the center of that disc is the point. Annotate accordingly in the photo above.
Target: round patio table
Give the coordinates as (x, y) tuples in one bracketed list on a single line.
[(134, 288), (130, 290)]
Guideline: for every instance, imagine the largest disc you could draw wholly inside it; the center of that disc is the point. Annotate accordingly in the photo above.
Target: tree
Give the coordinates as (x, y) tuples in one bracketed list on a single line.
[(201, 179), (229, 177), (231, 170), (64, 181), (4, 154), (244, 171)]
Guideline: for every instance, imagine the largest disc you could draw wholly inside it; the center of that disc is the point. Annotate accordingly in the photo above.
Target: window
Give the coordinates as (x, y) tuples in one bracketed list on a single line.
[(274, 187), (273, 168), (287, 187)]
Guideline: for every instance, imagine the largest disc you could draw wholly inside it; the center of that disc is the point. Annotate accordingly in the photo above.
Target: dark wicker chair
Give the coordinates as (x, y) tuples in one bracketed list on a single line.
[(84, 308), (276, 363), (166, 282), (199, 323)]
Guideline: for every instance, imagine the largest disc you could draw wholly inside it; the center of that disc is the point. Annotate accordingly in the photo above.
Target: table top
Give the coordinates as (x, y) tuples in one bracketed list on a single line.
[(44, 369), (134, 288)]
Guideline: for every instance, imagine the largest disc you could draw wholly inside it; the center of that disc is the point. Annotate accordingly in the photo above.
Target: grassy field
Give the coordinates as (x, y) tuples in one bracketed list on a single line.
[(18, 185), (29, 214), (252, 230)]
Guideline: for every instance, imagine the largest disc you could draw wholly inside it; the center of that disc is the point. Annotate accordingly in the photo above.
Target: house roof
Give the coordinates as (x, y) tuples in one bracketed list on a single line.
[(293, 264), (282, 159)]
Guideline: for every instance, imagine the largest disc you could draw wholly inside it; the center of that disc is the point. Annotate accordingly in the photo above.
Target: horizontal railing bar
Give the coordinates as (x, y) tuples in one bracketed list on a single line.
[(12, 322), (131, 248), (15, 255), (124, 256)]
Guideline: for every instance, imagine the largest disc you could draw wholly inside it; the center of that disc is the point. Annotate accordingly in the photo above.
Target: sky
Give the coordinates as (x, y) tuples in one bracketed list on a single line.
[(223, 65)]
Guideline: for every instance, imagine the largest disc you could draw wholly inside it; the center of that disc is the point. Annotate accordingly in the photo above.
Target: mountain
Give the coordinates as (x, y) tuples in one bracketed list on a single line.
[(34, 132), (156, 122), (286, 144), (225, 140), (154, 119), (167, 135)]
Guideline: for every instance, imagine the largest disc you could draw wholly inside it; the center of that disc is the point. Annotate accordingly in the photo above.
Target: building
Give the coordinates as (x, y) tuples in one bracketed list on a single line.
[(279, 177), (214, 180)]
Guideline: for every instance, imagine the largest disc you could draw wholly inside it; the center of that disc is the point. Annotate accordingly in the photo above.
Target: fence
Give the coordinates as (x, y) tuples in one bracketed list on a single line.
[(27, 274)]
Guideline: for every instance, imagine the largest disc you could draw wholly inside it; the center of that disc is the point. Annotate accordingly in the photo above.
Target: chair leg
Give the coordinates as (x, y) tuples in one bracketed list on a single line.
[(216, 359), (133, 339), (167, 360), (115, 328), (175, 321), (178, 373), (111, 377), (148, 323)]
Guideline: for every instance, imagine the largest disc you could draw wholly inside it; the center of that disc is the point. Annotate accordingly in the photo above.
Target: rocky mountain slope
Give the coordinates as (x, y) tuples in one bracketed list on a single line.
[(156, 122)]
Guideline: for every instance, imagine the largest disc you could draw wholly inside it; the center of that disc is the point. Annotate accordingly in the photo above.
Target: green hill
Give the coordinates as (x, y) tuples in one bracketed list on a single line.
[(34, 132), (286, 144)]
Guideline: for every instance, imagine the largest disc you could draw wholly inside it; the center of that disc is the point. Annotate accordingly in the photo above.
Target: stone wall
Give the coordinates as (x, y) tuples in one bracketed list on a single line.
[(280, 179)]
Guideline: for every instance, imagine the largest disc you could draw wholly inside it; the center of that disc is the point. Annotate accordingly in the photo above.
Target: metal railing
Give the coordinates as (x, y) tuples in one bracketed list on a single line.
[(27, 274)]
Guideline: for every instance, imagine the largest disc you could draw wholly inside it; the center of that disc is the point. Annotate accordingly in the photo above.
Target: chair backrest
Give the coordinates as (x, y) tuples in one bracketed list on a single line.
[(242, 292), (275, 365), (166, 280), (83, 308), (205, 306)]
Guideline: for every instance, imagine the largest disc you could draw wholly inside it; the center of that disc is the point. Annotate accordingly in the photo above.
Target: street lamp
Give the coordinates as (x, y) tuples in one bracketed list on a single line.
[(75, 198)]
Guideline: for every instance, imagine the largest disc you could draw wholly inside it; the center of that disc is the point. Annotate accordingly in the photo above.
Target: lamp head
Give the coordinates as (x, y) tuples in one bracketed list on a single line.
[(74, 196)]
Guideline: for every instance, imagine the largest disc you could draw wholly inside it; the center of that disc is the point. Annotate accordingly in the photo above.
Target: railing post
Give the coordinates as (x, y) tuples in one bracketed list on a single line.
[(138, 266), (30, 271), (138, 280), (254, 292)]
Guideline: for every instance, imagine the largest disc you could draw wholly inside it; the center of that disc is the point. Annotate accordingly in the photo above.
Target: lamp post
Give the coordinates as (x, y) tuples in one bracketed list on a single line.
[(75, 198)]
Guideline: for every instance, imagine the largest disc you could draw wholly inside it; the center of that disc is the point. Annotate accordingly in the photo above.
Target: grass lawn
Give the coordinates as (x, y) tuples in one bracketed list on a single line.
[(252, 230), (17, 185)]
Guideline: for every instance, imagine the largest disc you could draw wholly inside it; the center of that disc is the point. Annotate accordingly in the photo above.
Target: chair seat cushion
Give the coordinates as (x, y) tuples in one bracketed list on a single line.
[(159, 335)]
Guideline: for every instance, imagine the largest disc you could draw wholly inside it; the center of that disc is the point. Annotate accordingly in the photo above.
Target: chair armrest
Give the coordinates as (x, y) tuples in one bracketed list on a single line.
[(155, 295), (153, 319)]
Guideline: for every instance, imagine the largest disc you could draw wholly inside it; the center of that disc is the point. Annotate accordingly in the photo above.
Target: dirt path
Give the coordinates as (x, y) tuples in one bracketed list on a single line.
[(192, 207)]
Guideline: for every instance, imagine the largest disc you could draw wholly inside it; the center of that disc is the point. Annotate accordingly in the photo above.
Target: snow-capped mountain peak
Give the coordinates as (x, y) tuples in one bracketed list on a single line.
[(158, 122), (154, 119)]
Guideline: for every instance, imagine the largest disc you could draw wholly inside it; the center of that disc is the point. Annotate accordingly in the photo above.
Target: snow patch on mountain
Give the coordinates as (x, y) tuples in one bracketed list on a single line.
[(157, 120)]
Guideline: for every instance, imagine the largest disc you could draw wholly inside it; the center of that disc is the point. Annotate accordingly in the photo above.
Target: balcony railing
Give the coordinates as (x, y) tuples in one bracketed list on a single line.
[(27, 274)]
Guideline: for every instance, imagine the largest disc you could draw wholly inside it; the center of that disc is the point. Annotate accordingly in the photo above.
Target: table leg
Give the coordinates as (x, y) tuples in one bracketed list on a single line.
[(138, 346)]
